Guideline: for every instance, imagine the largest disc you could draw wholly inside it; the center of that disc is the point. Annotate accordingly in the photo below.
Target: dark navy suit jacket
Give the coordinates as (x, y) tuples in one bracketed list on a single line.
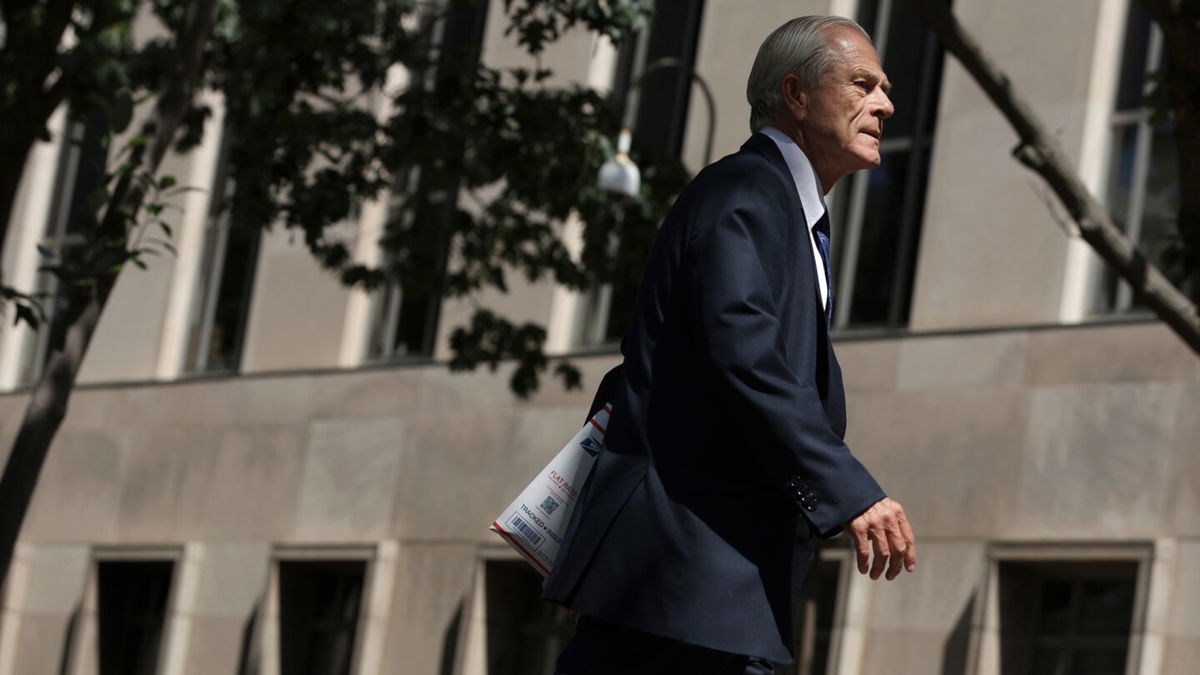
[(724, 453)]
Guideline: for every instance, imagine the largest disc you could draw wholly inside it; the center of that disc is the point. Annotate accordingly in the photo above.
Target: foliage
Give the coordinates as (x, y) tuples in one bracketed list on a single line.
[(331, 104)]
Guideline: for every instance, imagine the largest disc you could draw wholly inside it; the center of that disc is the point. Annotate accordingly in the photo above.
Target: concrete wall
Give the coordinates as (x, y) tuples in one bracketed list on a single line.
[(1038, 437)]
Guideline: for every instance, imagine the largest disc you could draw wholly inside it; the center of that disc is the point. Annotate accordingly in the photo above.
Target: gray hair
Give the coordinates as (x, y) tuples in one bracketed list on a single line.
[(799, 47)]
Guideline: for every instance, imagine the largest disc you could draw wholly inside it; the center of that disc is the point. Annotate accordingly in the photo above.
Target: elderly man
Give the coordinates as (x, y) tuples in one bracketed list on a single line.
[(724, 457)]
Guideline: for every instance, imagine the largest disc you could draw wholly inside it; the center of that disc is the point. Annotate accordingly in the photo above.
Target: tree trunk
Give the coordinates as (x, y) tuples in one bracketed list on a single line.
[(48, 406), (1038, 151)]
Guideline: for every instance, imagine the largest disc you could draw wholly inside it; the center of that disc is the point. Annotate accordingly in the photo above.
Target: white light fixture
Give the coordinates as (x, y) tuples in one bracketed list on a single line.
[(620, 174)]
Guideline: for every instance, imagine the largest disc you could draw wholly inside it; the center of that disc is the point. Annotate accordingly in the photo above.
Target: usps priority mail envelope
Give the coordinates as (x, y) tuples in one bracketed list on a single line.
[(534, 523)]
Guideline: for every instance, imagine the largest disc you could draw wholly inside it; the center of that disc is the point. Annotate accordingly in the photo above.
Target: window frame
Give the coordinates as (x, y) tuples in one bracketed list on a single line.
[(1119, 121), (471, 649), (82, 654), (593, 318), (56, 236), (374, 610), (467, 26), (849, 199), (214, 242), (984, 647)]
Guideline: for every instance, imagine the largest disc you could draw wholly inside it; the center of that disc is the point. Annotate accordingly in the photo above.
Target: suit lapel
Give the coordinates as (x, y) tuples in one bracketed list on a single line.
[(763, 145)]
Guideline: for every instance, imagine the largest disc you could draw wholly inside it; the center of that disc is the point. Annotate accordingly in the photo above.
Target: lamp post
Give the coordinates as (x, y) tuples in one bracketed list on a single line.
[(619, 174)]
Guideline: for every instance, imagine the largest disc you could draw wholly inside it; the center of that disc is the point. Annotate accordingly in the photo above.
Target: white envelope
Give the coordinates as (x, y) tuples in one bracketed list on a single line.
[(534, 523)]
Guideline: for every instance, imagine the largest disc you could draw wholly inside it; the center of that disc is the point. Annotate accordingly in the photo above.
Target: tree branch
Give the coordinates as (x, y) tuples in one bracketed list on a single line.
[(1038, 151), (48, 406)]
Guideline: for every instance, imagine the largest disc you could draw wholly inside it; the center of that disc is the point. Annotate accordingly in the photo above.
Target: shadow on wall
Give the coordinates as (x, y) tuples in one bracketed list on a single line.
[(248, 656), (450, 641), (64, 663), (954, 653)]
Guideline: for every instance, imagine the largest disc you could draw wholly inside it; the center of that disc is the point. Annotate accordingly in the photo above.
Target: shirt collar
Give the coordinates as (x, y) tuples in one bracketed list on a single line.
[(807, 184)]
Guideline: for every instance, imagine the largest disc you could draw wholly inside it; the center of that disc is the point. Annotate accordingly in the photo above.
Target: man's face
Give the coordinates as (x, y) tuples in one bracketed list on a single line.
[(842, 121)]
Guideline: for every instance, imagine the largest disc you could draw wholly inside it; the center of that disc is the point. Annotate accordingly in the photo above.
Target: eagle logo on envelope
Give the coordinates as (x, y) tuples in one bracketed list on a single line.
[(590, 446), (535, 521)]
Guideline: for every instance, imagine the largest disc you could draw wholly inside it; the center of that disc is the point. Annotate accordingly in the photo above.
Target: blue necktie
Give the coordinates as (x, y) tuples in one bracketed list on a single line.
[(821, 232)]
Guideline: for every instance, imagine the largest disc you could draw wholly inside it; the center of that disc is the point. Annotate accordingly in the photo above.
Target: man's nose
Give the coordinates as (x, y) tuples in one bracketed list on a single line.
[(883, 105)]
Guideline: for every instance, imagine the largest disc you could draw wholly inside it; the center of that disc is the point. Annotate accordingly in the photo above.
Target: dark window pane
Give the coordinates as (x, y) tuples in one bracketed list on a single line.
[(1120, 173), (406, 314), (1055, 614), (318, 615), (663, 95), (893, 206), (1106, 607), (89, 174), (1098, 662), (524, 633), (233, 299), (133, 606), (1160, 211), (868, 15), (1133, 59), (874, 273), (1048, 661), (416, 323), (1118, 195), (1157, 199), (1065, 618), (903, 57)]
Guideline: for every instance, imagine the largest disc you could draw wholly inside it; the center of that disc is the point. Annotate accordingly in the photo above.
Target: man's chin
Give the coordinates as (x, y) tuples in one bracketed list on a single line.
[(869, 160)]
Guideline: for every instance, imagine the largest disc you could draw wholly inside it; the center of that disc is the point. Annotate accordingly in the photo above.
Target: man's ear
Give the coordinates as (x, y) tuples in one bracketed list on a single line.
[(795, 97)]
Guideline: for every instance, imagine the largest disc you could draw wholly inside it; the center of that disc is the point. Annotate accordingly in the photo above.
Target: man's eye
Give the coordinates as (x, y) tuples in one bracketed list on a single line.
[(863, 84)]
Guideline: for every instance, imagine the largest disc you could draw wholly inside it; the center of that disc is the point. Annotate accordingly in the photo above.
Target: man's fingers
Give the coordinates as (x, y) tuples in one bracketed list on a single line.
[(879, 539), (910, 556), (899, 552), (884, 543), (861, 548)]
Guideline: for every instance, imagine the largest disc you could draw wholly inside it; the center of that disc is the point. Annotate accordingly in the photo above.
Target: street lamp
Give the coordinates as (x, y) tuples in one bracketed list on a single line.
[(619, 174)]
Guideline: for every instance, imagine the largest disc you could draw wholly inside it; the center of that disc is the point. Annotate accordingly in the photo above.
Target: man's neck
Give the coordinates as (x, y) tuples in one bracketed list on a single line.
[(790, 129)]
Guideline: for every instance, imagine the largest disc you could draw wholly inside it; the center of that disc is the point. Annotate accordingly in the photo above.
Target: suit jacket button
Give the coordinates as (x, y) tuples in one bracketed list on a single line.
[(810, 506)]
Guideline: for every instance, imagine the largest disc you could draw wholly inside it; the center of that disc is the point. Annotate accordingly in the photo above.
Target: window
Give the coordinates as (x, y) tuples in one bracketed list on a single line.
[(218, 324), (132, 611), (1066, 618), (1142, 191), (405, 314), (877, 214), (319, 607), (815, 615), (81, 170), (660, 117), (525, 634)]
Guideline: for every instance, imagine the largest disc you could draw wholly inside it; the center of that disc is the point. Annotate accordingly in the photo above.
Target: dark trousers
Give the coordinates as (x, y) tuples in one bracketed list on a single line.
[(603, 648)]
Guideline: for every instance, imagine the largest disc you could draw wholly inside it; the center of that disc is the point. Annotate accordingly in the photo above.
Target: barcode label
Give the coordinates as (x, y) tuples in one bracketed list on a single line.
[(526, 530)]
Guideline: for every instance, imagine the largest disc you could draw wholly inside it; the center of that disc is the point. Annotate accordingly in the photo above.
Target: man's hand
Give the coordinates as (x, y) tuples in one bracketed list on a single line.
[(884, 527)]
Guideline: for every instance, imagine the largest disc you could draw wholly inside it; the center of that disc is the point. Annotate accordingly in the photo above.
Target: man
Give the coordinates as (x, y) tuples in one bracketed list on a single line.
[(724, 456)]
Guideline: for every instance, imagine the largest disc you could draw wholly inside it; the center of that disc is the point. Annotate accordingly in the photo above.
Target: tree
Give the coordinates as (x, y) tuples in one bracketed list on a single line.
[(1178, 94), (306, 152)]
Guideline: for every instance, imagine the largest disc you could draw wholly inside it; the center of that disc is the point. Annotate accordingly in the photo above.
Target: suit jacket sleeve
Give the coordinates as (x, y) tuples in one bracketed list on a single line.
[(740, 256)]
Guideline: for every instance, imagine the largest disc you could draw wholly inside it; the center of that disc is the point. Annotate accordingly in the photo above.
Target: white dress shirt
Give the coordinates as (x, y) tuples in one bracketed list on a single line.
[(808, 186)]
